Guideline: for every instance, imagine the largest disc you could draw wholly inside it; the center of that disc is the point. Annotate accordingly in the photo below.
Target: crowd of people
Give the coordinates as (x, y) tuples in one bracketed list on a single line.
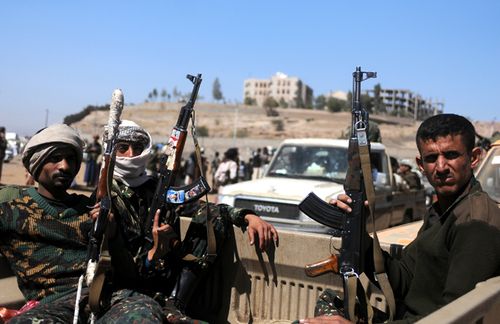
[(45, 231)]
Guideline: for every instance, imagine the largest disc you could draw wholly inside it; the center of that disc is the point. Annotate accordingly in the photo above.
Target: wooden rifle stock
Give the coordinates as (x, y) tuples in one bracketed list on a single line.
[(329, 264)]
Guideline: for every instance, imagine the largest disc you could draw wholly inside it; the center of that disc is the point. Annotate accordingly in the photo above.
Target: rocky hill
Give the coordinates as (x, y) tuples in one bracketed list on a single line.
[(248, 127)]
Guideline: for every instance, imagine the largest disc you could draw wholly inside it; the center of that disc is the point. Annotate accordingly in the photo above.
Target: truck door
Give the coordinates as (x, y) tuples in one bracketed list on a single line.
[(383, 190)]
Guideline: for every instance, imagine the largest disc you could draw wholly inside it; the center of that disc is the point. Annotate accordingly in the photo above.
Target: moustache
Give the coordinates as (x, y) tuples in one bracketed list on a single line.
[(63, 175)]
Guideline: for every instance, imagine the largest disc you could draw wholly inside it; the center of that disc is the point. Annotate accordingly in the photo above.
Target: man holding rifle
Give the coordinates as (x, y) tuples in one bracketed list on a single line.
[(162, 269), (458, 245), (44, 235)]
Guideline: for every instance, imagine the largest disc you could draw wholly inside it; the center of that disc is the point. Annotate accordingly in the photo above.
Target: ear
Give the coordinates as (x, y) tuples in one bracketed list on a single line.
[(475, 157), (420, 165)]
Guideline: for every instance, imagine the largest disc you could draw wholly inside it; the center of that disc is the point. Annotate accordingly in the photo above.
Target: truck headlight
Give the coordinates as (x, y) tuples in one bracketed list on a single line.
[(225, 199)]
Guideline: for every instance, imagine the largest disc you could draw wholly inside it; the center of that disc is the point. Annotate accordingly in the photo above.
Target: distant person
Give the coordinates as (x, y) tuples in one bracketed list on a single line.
[(227, 172), (192, 169), (3, 147), (409, 176), (257, 165), (93, 163), (214, 164), (265, 157)]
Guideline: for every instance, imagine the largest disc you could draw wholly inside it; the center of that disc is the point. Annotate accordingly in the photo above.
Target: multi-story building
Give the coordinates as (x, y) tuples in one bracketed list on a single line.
[(282, 88), (406, 103)]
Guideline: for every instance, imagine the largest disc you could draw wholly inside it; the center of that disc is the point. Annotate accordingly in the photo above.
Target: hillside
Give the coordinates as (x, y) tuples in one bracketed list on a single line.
[(254, 129)]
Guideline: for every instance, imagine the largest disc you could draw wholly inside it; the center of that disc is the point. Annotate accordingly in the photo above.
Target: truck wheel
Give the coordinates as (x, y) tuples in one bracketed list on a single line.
[(408, 217)]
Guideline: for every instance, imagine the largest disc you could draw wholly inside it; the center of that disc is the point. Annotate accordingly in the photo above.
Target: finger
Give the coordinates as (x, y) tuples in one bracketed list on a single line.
[(262, 238), (166, 228), (251, 236), (156, 219)]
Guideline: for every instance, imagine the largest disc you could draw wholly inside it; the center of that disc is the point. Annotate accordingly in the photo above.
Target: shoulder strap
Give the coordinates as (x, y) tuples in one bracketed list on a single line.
[(378, 259)]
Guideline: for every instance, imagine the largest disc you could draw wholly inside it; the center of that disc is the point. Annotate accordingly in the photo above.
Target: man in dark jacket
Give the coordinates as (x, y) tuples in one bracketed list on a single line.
[(458, 245)]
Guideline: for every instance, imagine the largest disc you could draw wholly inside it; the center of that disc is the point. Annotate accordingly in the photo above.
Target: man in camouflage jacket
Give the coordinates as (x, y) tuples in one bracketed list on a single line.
[(164, 269), (44, 236)]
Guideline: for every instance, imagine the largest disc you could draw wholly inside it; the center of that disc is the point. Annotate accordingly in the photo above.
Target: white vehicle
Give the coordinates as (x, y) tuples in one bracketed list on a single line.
[(488, 172), (301, 166)]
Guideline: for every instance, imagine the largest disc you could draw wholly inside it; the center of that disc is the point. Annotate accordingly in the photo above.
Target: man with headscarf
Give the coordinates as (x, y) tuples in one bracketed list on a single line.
[(44, 233), (133, 193)]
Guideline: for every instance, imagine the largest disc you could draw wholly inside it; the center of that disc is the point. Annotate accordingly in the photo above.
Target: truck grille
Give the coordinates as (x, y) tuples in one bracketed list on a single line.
[(269, 209)]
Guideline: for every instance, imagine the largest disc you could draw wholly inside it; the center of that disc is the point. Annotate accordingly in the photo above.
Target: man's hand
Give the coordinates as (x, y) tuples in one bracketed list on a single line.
[(343, 202), (263, 229), (325, 319), (162, 236), (94, 212)]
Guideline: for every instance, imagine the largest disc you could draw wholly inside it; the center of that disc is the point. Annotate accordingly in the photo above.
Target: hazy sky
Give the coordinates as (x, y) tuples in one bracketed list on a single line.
[(60, 56)]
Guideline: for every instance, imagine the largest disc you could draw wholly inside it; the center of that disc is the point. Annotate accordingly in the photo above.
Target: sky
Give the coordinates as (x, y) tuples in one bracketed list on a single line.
[(57, 57)]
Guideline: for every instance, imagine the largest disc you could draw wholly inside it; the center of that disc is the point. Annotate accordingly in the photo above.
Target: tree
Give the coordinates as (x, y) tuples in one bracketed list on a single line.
[(176, 94), (155, 93), (366, 102), (283, 103), (249, 101), (216, 90), (320, 102), (336, 105), (269, 104), (164, 94)]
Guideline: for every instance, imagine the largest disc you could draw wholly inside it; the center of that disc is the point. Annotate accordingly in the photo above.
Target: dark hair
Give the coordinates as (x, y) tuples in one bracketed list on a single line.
[(447, 124), (231, 153)]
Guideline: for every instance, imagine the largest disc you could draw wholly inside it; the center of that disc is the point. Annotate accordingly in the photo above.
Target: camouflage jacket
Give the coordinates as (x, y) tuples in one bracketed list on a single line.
[(45, 244), (131, 206)]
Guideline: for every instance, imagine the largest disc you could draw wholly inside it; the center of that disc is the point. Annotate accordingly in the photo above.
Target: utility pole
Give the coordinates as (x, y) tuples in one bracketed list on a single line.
[(46, 117)]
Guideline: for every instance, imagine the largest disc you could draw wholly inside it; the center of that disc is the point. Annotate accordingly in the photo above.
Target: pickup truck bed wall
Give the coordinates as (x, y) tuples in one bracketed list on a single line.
[(254, 287)]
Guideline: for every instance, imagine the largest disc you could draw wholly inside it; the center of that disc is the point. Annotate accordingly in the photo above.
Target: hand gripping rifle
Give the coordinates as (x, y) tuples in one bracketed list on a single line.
[(99, 258), (165, 193), (351, 227)]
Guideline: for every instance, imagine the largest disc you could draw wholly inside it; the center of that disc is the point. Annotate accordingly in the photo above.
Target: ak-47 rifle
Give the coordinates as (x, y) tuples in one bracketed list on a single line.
[(170, 161), (359, 187), (99, 258)]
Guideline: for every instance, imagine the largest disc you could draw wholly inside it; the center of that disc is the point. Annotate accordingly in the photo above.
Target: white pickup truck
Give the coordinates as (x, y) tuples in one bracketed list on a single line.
[(301, 166)]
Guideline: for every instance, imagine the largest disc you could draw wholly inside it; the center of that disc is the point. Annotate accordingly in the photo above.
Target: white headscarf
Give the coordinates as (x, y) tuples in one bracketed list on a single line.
[(46, 141), (132, 170)]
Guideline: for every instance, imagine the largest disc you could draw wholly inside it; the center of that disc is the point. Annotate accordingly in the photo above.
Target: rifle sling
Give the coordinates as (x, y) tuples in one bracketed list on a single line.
[(378, 259), (358, 286), (211, 243)]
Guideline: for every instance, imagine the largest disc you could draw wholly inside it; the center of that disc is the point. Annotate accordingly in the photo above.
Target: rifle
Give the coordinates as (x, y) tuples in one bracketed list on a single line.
[(165, 193), (99, 258), (358, 186)]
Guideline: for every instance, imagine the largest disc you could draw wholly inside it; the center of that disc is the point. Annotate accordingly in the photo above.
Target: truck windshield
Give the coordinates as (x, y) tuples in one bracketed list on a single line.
[(489, 175), (310, 162)]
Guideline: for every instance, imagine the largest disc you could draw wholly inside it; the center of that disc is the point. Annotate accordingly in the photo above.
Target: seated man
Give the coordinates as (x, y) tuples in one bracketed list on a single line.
[(458, 245), (164, 268), (44, 236)]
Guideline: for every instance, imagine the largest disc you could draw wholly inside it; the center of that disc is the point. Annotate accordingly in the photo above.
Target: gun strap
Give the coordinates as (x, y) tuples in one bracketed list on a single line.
[(357, 290), (211, 243), (378, 258), (102, 269)]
